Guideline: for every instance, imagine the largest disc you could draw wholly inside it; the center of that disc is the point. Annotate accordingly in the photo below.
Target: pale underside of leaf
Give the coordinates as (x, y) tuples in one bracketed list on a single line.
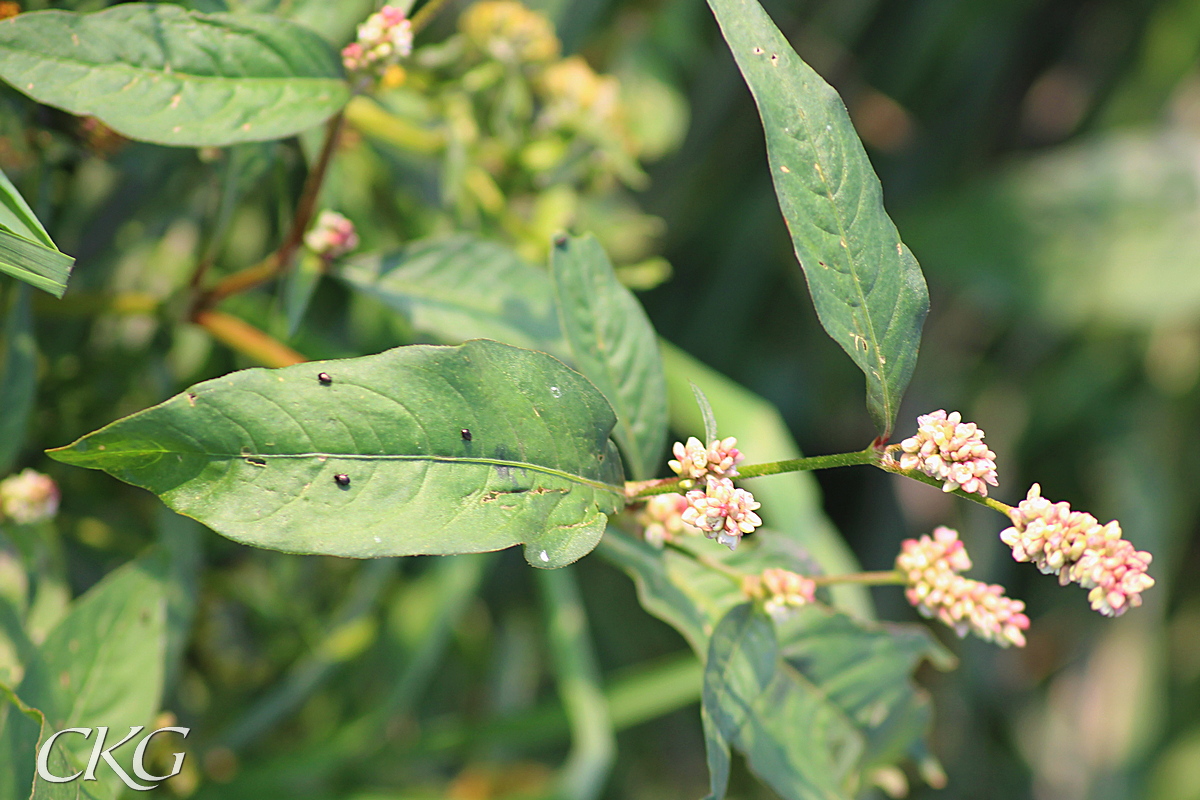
[(159, 73), (419, 450)]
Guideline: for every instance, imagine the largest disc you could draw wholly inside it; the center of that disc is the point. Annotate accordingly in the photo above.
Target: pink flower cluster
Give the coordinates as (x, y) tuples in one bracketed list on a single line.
[(662, 519), (1077, 548), (722, 511), (951, 451), (931, 567), (786, 591), (694, 461), (28, 497), (332, 236), (382, 40)]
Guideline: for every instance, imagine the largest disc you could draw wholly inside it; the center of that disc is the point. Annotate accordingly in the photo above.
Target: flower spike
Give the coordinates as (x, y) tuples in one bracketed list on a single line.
[(951, 451), (931, 567), (1074, 546)]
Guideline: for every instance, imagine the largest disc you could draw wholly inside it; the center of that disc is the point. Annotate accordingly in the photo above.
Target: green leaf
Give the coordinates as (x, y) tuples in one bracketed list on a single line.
[(706, 412), (613, 343), (442, 450), (17, 217), (860, 670), (799, 745), (13, 781), (865, 670), (867, 287), (39, 266), (159, 73), (103, 663), (18, 376), (462, 287)]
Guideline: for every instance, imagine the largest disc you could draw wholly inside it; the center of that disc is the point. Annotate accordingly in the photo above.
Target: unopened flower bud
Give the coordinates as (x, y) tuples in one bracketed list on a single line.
[(722, 511), (332, 236), (382, 40), (1077, 548), (662, 519), (785, 592), (951, 451), (931, 567), (694, 461), (28, 497)]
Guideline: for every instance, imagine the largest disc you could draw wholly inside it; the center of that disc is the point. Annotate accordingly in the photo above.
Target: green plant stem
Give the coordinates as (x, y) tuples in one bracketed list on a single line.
[(872, 455), (278, 262), (636, 489), (881, 578), (426, 14), (888, 464), (712, 563), (593, 741)]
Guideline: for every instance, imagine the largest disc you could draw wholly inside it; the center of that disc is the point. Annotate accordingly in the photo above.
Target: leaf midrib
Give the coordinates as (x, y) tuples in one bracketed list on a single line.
[(870, 327), (600, 485), (173, 74)]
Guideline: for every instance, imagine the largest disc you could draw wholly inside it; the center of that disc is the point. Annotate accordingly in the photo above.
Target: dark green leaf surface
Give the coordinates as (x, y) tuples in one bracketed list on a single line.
[(613, 343), (867, 287), (865, 671), (18, 374), (462, 287), (859, 671), (799, 745), (103, 663), (159, 73), (254, 455)]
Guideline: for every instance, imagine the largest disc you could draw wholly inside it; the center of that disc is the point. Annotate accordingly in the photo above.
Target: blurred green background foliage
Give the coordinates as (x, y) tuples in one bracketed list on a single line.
[(1040, 157)]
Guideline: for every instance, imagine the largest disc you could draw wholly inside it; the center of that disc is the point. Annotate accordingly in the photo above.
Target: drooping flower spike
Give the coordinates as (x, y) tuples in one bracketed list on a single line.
[(931, 567), (952, 451), (1074, 546)]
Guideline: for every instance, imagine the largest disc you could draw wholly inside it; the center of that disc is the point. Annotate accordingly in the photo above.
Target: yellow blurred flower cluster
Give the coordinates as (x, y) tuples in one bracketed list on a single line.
[(529, 142)]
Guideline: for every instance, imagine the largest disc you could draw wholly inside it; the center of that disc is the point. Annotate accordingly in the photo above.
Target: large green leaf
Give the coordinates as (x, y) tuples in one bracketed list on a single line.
[(867, 287), (159, 73), (864, 670), (103, 664), (613, 343), (798, 744), (18, 374), (462, 287), (419, 449), (861, 671)]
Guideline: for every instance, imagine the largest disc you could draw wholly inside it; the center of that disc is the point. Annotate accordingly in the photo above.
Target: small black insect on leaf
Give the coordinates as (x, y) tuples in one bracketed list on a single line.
[(324, 378), (466, 434), (342, 479)]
